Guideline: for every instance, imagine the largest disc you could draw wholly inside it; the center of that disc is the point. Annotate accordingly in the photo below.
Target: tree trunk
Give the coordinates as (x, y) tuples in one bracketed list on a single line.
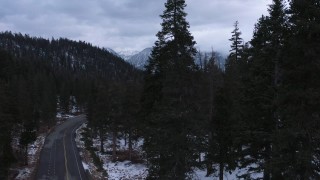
[(125, 139), (130, 143), (209, 168), (209, 158), (266, 174), (221, 168), (221, 163), (101, 141), (26, 155), (114, 145)]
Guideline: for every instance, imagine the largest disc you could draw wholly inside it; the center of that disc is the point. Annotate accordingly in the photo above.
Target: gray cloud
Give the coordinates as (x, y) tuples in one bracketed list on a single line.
[(128, 24)]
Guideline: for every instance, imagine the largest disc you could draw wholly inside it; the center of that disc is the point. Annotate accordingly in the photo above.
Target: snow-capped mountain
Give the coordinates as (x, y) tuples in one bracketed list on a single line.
[(140, 59), (112, 51), (136, 58), (127, 54)]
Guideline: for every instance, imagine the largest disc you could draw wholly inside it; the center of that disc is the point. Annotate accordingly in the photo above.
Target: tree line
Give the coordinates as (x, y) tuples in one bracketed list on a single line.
[(259, 113), (40, 77)]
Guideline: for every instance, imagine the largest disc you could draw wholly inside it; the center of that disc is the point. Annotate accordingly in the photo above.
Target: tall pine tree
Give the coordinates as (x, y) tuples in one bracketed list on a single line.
[(260, 102), (168, 94), (237, 42), (300, 87)]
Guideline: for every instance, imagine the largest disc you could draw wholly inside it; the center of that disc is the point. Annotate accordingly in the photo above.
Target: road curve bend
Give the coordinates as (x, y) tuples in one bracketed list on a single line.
[(59, 158)]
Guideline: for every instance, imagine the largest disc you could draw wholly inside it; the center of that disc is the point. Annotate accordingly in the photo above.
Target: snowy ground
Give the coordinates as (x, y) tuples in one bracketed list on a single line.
[(127, 170), (33, 157), (200, 174), (87, 160), (59, 115)]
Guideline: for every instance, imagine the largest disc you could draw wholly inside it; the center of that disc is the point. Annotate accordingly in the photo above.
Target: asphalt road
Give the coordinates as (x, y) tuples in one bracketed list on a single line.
[(59, 159)]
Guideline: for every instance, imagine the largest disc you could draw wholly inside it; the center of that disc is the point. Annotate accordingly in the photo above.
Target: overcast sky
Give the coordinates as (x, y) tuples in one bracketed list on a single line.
[(129, 24)]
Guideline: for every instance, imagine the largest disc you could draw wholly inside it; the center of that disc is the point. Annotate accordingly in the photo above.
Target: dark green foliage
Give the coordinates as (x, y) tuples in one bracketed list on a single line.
[(168, 97), (87, 138), (300, 92), (6, 115), (261, 86), (6, 124), (35, 73), (237, 41), (97, 161), (65, 93), (218, 126), (261, 113), (131, 107), (27, 136), (275, 99), (226, 126), (106, 117)]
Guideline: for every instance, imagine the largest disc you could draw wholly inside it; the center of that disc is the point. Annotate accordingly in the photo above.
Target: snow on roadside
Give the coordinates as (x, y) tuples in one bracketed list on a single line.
[(125, 170), (87, 161), (85, 166), (33, 157), (34, 149), (66, 116)]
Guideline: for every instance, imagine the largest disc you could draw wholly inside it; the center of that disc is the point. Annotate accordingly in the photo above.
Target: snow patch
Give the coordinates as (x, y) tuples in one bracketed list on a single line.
[(33, 157), (85, 166), (125, 170), (24, 173)]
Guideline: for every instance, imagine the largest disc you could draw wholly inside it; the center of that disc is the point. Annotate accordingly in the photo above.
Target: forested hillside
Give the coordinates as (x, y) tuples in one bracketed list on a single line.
[(256, 118), (39, 76)]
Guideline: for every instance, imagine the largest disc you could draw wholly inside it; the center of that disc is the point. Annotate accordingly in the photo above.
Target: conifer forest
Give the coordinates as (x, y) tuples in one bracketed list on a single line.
[(259, 112)]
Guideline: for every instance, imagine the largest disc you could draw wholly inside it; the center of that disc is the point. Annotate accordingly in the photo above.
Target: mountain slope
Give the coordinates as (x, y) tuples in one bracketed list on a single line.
[(127, 54), (67, 55), (140, 59)]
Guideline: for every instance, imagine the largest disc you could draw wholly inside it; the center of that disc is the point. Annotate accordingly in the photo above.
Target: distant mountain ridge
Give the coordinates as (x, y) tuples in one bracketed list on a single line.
[(127, 54), (136, 58), (139, 59)]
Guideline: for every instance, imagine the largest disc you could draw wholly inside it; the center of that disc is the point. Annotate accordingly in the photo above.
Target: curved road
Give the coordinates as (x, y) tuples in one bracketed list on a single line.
[(59, 159)]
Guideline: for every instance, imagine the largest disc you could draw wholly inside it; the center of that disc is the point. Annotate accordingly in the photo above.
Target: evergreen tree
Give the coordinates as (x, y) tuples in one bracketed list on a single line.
[(101, 117), (219, 127), (299, 93), (26, 115), (48, 104), (65, 93), (230, 101), (168, 97), (261, 109), (233, 72), (7, 120), (131, 105), (237, 42), (39, 71)]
